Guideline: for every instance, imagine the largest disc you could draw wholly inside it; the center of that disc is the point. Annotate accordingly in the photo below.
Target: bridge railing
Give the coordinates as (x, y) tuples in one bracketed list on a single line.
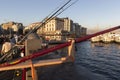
[(70, 57), (51, 49)]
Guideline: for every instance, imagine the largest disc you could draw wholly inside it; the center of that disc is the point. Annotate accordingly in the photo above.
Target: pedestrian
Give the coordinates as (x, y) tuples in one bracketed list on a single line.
[(16, 38), (7, 45)]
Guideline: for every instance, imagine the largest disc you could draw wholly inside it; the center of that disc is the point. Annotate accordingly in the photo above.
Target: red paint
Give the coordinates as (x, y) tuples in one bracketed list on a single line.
[(46, 51), (37, 54), (24, 74), (96, 34)]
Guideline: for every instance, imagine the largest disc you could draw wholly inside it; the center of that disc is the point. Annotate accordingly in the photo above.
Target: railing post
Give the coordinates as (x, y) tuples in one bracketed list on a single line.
[(24, 74), (33, 72), (71, 51)]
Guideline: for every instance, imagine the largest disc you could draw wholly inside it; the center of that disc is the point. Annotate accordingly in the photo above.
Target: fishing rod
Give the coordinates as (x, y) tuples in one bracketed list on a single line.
[(43, 22), (61, 11), (49, 18)]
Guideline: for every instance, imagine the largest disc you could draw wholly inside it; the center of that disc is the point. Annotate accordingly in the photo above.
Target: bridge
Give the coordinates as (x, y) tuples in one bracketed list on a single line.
[(33, 53), (27, 62)]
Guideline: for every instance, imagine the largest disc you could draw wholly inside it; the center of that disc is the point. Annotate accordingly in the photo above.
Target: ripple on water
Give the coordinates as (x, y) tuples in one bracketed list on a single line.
[(103, 60)]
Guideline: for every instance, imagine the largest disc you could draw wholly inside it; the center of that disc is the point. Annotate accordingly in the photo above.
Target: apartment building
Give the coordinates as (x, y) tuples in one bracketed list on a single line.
[(83, 31), (68, 24), (79, 31), (53, 29), (59, 29), (12, 27)]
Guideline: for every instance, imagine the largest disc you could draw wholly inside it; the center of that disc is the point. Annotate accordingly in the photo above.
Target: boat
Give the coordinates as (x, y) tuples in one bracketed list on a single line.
[(106, 39), (117, 38), (95, 39)]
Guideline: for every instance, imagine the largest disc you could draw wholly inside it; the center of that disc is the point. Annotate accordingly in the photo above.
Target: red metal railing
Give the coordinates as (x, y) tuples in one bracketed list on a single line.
[(36, 54), (96, 34), (43, 52), (46, 51)]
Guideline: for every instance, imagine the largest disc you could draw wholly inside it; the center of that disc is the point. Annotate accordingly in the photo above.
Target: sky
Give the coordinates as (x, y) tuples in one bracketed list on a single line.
[(88, 13)]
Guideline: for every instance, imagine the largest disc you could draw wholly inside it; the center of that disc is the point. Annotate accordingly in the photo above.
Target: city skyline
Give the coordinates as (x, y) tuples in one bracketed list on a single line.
[(88, 13)]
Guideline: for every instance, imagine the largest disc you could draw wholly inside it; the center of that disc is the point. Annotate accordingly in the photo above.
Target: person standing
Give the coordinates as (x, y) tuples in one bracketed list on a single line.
[(16, 38), (7, 45)]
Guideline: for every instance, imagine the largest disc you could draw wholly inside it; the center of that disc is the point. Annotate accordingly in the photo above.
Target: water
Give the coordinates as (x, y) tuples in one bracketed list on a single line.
[(99, 60), (92, 62)]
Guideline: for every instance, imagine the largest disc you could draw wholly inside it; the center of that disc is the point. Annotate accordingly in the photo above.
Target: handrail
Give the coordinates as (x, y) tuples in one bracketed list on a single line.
[(46, 51), (43, 22), (96, 34), (36, 54)]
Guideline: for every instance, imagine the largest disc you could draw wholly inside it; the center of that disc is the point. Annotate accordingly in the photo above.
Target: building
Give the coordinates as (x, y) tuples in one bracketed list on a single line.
[(76, 30), (68, 24), (79, 31), (58, 29), (83, 31), (7, 25), (12, 27), (53, 29), (31, 27)]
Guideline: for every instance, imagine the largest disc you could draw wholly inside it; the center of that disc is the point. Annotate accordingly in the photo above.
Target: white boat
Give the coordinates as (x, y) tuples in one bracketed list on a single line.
[(117, 38), (95, 39), (106, 39)]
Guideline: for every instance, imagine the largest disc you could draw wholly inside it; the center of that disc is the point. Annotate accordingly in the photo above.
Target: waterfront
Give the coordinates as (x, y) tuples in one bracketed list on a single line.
[(92, 62)]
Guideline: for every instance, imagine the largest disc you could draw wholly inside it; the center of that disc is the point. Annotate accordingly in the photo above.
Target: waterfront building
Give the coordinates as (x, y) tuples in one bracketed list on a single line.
[(12, 27), (83, 31), (52, 25), (55, 24), (68, 25), (51, 29), (7, 25), (63, 26), (76, 27), (57, 35), (79, 31), (31, 27)]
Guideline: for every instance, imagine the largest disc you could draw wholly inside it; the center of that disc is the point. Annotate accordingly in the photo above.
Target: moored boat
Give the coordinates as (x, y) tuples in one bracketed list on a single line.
[(117, 38), (106, 39), (95, 39)]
